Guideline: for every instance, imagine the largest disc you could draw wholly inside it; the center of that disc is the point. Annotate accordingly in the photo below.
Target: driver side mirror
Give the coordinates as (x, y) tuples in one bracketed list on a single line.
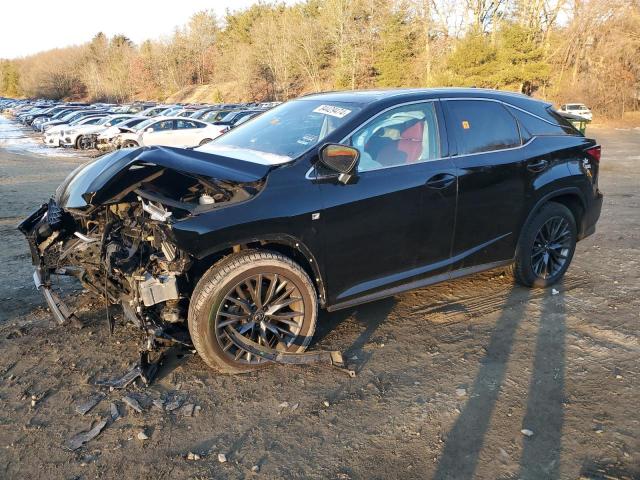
[(341, 159)]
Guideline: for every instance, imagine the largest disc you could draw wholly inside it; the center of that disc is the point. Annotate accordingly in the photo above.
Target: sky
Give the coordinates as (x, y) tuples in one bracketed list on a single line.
[(30, 26)]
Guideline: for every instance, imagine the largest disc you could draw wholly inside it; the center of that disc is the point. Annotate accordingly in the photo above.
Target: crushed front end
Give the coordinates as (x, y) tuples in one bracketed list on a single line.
[(110, 226)]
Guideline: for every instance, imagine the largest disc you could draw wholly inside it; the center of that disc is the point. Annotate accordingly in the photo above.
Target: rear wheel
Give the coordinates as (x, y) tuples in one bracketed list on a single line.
[(546, 246), (130, 144), (206, 140), (264, 296)]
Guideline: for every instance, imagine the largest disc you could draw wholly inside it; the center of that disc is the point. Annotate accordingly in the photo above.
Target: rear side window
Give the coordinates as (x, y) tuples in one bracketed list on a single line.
[(482, 126), (185, 124), (534, 126)]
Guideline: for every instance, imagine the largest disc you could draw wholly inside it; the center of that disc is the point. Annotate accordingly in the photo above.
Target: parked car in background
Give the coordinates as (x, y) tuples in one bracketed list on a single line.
[(82, 136), (233, 117), (577, 109), (105, 139), (169, 131), (153, 111), (73, 116), (215, 115), (53, 137)]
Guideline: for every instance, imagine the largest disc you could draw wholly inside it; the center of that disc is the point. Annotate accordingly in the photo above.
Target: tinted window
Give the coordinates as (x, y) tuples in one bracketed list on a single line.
[(535, 126), (403, 135), (482, 126)]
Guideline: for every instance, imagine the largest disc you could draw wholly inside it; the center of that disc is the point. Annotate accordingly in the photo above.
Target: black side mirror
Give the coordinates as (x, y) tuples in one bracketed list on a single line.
[(341, 159)]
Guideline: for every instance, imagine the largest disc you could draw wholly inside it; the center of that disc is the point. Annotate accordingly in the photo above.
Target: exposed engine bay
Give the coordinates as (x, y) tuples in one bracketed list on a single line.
[(122, 247)]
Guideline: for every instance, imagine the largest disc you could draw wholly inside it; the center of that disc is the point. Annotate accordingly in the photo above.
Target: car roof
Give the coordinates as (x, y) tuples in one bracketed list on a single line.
[(369, 96), (162, 118), (373, 99)]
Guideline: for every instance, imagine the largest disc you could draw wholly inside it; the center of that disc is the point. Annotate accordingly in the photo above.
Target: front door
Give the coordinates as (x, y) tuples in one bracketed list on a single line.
[(394, 224)]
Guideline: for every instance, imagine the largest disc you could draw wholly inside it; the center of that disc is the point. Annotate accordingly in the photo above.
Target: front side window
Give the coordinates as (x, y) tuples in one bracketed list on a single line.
[(482, 126), (403, 135)]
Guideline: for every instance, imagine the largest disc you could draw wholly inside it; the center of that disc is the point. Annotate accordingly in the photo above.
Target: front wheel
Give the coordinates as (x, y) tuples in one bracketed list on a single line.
[(264, 296), (546, 246), (204, 142), (130, 144)]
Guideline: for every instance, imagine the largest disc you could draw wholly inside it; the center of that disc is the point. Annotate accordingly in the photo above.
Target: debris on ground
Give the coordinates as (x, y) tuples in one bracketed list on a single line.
[(174, 404), (132, 403), (526, 432), (80, 439), (142, 436), (222, 458), (193, 456), (115, 413), (85, 406)]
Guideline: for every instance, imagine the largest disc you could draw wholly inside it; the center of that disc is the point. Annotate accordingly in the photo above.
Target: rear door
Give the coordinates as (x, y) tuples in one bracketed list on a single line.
[(188, 132), (491, 164)]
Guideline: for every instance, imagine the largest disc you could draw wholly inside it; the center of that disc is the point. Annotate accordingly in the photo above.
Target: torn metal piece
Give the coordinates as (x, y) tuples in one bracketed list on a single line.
[(333, 357), (115, 413), (84, 407), (133, 403), (80, 439), (58, 308), (144, 369)]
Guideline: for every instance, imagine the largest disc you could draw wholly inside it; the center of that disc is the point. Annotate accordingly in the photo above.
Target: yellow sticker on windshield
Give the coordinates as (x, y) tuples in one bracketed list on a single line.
[(465, 125)]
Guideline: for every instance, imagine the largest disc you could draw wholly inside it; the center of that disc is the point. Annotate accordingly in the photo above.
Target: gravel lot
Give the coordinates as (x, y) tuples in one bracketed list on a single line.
[(448, 377)]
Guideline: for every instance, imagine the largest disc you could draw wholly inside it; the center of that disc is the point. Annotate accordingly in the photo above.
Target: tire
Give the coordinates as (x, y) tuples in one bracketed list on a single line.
[(236, 277), (543, 256), (130, 144), (205, 141)]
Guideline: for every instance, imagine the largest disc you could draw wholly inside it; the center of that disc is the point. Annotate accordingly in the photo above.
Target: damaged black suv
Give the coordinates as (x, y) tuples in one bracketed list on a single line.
[(326, 201)]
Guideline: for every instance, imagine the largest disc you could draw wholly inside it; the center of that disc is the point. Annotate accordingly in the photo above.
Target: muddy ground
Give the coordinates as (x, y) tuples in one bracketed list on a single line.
[(447, 377)]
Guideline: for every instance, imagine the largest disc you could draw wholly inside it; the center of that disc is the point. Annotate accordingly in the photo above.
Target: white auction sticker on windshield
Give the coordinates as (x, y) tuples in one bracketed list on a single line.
[(333, 111)]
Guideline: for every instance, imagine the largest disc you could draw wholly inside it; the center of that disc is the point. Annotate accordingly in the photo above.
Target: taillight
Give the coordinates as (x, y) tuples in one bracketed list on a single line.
[(595, 152)]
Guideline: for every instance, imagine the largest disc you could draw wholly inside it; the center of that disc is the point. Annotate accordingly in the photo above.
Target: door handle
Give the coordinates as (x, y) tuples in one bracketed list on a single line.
[(538, 166), (440, 181)]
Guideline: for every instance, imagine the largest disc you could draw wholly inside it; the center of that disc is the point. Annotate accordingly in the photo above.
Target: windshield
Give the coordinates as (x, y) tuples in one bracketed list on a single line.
[(283, 133)]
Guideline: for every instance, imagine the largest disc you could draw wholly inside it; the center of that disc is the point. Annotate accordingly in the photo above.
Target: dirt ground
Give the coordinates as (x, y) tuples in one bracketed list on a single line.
[(447, 377)]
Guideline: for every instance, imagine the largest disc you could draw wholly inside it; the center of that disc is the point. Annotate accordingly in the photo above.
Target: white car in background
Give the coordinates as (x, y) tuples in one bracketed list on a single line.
[(170, 132), (106, 138), (53, 135), (577, 109), (72, 135)]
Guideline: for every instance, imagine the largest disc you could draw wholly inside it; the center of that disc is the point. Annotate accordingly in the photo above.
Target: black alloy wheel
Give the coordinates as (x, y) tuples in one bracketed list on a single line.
[(265, 308), (546, 246), (551, 247), (262, 296)]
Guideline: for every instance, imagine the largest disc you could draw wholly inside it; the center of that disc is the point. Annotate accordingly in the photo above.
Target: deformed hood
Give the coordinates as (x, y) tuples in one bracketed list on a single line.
[(89, 183)]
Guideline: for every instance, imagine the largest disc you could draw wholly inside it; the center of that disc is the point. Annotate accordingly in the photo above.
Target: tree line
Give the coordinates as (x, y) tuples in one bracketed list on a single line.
[(563, 50)]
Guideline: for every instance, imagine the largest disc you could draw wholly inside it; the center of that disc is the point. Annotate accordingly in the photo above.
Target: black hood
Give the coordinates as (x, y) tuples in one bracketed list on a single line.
[(88, 184)]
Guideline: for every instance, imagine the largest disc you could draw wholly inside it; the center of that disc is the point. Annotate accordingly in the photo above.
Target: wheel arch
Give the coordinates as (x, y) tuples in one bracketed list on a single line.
[(570, 197), (285, 244)]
